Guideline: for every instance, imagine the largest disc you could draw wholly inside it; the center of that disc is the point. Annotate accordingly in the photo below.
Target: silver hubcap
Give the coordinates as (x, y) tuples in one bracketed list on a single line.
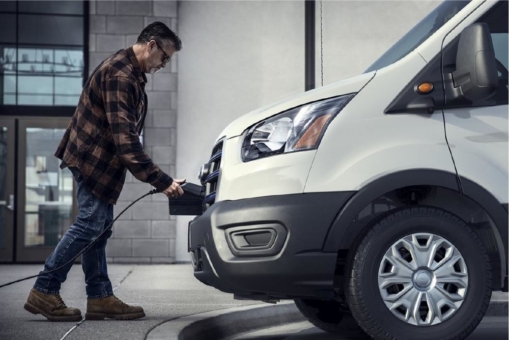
[(423, 279)]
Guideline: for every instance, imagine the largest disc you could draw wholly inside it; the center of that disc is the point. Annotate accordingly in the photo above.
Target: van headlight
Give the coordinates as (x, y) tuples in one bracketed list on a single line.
[(297, 129)]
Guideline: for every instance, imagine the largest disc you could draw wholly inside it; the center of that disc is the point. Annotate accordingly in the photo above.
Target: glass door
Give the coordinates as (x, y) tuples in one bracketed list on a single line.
[(45, 192), (7, 197)]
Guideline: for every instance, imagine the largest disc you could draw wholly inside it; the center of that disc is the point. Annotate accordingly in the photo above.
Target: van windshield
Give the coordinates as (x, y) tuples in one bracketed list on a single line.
[(417, 35)]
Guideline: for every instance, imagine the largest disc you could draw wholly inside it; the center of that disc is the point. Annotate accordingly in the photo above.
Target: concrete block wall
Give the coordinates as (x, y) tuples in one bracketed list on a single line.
[(145, 233)]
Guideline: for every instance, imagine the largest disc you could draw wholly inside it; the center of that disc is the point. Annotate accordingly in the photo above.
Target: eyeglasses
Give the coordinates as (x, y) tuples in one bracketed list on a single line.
[(166, 57)]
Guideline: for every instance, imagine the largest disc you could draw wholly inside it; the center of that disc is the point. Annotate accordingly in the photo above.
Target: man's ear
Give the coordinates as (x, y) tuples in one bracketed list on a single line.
[(151, 45)]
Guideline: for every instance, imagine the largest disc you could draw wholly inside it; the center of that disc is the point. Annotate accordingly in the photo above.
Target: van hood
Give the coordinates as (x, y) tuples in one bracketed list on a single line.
[(351, 85)]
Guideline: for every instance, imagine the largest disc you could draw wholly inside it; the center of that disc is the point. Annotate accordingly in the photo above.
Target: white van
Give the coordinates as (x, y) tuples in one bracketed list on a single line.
[(384, 195)]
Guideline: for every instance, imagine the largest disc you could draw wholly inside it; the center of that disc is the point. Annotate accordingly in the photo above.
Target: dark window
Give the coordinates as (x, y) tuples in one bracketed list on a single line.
[(8, 21), (50, 29), (41, 53), (52, 7), (496, 19), (7, 6)]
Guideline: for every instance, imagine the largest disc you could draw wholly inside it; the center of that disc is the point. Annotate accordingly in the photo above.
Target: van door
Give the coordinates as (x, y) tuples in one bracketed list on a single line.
[(477, 135)]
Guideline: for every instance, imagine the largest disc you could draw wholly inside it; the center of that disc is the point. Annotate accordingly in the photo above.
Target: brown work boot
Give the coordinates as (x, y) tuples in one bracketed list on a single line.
[(51, 306), (112, 307)]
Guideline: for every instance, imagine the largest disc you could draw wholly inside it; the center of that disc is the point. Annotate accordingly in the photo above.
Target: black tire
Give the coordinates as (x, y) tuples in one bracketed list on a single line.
[(361, 280), (328, 316)]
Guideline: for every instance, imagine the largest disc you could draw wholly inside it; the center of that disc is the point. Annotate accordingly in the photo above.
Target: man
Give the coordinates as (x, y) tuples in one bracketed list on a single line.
[(101, 142)]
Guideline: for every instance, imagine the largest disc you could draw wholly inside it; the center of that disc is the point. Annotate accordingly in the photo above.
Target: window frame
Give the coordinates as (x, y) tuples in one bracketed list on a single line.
[(44, 110)]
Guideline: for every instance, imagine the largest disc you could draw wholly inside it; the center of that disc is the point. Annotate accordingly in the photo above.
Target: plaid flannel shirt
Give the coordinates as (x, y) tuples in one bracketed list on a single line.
[(102, 139)]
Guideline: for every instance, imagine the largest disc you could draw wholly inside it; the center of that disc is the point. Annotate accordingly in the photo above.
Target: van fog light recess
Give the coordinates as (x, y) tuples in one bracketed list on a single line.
[(256, 240)]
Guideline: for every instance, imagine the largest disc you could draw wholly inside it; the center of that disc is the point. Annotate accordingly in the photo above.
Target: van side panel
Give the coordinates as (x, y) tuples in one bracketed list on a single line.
[(363, 143), (478, 139)]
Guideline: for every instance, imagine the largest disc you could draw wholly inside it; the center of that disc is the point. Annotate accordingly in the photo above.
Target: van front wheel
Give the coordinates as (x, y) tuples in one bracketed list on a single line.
[(418, 273)]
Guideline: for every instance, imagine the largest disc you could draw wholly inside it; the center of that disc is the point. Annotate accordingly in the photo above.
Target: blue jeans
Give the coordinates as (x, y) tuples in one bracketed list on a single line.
[(93, 217)]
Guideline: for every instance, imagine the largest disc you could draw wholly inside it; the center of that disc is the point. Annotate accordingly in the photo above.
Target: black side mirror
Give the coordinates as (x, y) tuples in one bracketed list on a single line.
[(476, 68)]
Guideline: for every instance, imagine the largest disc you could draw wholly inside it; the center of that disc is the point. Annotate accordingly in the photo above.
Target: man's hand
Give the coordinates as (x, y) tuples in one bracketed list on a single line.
[(174, 190)]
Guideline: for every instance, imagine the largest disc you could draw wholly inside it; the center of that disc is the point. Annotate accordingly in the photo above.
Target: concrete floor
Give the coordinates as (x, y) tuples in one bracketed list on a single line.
[(165, 292)]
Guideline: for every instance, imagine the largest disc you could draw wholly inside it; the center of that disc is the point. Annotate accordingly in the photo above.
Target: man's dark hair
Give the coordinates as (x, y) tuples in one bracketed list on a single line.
[(159, 32)]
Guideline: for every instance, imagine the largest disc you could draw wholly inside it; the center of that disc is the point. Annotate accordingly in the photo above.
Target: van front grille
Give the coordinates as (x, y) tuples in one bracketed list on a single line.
[(211, 182)]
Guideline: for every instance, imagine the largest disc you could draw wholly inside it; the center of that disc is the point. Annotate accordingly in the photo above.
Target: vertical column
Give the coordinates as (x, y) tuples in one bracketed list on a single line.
[(309, 17)]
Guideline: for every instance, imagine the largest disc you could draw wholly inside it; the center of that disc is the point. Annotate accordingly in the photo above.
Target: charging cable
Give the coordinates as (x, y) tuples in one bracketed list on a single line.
[(151, 192)]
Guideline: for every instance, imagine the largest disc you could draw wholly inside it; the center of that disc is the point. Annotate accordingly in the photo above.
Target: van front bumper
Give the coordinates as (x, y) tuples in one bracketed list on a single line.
[(267, 246)]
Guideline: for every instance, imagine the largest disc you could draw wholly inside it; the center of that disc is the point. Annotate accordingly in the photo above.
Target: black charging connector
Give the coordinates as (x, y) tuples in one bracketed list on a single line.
[(191, 203)]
